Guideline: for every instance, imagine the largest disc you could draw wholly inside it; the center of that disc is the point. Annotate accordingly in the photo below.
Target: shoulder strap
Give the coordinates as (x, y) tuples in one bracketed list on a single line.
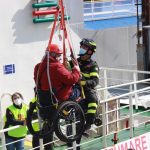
[(40, 73)]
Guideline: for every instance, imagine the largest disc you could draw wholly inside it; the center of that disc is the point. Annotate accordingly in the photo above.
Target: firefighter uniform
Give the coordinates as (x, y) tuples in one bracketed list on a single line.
[(90, 79)]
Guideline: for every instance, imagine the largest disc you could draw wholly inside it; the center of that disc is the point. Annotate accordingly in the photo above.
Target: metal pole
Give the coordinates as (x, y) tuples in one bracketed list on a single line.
[(92, 9), (131, 112), (104, 122), (135, 89), (74, 131), (138, 27), (112, 1), (40, 125), (146, 22)]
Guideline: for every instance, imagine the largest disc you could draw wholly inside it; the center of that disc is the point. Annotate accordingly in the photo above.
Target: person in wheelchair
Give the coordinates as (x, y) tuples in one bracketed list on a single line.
[(54, 83), (61, 79)]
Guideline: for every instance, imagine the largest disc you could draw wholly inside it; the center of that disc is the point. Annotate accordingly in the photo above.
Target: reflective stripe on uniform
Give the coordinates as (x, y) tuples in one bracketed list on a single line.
[(86, 75), (92, 105), (92, 74), (91, 111)]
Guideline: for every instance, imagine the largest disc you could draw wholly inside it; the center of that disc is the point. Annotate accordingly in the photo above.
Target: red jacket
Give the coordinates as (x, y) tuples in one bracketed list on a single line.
[(62, 80)]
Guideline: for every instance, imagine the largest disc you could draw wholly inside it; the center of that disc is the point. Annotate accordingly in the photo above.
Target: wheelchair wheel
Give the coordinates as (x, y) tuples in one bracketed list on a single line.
[(34, 129), (69, 122)]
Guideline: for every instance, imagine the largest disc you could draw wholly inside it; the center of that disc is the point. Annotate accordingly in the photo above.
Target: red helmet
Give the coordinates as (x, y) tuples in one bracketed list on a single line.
[(54, 48)]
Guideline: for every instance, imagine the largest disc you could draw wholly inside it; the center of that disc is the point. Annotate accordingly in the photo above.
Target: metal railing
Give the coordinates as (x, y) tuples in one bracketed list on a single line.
[(134, 91), (106, 9)]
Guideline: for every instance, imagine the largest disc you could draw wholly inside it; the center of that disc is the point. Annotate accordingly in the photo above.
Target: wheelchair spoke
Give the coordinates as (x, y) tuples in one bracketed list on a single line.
[(70, 120)]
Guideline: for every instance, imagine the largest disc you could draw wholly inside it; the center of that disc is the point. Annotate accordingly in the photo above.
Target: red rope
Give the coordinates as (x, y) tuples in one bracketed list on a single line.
[(53, 28), (60, 12)]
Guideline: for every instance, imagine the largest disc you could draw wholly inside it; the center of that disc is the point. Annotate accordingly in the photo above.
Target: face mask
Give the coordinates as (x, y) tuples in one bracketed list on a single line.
[(82, 51), (18, 101), (59, 58)]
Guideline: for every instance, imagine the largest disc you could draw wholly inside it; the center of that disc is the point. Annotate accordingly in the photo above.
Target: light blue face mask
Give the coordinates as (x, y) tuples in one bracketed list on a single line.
[(82, 51)]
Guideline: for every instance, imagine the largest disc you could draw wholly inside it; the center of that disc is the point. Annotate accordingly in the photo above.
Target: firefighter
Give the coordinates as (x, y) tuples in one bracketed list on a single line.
[(90, 78)]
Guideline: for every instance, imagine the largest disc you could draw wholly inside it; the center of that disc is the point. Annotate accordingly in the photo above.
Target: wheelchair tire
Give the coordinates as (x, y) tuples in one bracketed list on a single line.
[(40, 133), (72, 110)]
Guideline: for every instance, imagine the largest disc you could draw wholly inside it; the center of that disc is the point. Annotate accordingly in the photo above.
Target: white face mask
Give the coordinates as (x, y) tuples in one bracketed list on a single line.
[(59, 58), (18, 101)]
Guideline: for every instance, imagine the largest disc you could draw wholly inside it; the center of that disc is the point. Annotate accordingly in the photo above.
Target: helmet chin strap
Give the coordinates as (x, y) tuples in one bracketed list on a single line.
[(84, 58)]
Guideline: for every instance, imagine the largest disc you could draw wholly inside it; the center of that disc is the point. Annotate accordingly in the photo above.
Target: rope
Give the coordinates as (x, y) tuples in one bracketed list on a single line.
[(53, 28), (60, 13), (70, 43), (49, 80)]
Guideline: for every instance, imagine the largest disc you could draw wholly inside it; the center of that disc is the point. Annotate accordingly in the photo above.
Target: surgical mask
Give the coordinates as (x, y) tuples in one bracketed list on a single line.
[(82, 51), (18, 101), (59, 58)]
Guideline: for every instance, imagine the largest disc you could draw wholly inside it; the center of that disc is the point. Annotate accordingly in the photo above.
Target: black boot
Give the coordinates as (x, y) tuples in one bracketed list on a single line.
[(90, 118)]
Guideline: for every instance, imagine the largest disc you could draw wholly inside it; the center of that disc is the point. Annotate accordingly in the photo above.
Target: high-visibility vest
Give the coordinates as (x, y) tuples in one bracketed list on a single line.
[(33, 100), (36, 124), (18, 114)]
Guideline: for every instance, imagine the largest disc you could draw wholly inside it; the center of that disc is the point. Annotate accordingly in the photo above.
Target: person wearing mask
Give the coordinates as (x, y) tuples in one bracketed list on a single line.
[(61, 79), (54, 83), (90, 79), (16, 115)]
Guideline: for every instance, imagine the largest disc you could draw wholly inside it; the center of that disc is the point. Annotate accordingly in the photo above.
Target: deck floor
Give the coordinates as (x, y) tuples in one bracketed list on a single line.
[(97, 142)]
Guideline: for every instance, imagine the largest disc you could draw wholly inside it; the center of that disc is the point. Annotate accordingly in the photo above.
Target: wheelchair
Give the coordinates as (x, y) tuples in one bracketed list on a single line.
[(68, 115)]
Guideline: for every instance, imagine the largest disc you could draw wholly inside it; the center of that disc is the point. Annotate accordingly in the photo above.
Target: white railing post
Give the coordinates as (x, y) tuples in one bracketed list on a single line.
[(104, 121), (2, 122), (40, 125), (118, 112), (131, 112), (135, 89), (92, 9), (133, 6), (74, 131), (112, 8)]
